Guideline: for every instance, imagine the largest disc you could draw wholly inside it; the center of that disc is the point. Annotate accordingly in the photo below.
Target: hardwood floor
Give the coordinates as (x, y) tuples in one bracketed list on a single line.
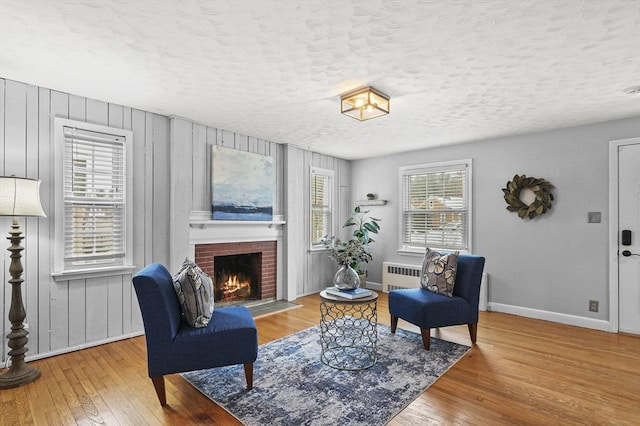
[(522, 371)]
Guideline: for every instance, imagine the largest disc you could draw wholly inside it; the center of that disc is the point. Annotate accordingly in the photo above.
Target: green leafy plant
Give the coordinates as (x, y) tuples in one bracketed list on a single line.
[(356, 250)]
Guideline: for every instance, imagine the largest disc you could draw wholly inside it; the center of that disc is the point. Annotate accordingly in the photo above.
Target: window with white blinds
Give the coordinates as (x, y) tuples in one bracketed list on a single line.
[(436, 210), (93, 194), (321, 205)]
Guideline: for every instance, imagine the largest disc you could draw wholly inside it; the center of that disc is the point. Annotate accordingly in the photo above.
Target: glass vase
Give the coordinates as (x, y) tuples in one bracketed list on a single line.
[(346, 278)]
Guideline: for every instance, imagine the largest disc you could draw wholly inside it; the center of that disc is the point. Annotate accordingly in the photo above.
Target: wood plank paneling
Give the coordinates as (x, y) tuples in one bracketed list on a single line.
[(76, 313), (294, 244), (65, 314), (138, 228), (253, 145), (161, 186), (116, 116), (97, 309), (2, 120), (241, 142), (118, 290), (226, 139), (4, 221), (148, 214), (15, 147), (141, 189), (318, 267), (15, 139), (59, 291), (30, 259), (304, 197), (277, 152), (97, 112), (180, 189), (77, 108), (200, 177), (135, 120), (45, 252)]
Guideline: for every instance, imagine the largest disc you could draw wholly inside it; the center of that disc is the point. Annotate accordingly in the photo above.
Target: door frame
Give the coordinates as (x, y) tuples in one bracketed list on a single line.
[(614, 288)]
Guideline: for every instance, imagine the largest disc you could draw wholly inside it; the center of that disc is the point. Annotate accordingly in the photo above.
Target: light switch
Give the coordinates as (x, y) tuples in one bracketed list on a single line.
[(594, 217)]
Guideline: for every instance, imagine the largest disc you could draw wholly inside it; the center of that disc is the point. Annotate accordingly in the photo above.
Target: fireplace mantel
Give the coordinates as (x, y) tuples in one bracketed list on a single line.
[(203, 230), (213, 223)]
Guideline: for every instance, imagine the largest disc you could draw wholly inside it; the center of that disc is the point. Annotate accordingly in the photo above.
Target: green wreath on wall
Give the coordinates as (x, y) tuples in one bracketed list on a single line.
[(540, 187)]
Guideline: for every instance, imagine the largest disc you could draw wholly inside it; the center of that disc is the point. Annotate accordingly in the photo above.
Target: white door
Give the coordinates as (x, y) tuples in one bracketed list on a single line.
[(629, 255)]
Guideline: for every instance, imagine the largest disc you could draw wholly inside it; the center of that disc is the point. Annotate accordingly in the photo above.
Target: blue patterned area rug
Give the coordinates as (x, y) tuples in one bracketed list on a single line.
[(293, 387)]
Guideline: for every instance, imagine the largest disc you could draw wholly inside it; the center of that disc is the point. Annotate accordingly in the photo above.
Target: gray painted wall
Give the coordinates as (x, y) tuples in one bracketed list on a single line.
[(555, 263)]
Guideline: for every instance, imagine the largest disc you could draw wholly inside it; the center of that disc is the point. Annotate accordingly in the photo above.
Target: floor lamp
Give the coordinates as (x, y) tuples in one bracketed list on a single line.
[(18, 197)]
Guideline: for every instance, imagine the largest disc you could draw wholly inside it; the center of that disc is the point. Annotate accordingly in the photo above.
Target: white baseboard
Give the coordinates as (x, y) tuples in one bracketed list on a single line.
[(373, 286), (567, 319), (82, 346)]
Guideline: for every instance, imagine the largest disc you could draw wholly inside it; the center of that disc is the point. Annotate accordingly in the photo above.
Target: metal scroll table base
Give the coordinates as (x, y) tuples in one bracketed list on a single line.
[(348, 334)]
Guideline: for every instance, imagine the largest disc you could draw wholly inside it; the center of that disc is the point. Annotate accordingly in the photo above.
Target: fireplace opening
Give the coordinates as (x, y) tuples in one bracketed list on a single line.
[(237, 277)]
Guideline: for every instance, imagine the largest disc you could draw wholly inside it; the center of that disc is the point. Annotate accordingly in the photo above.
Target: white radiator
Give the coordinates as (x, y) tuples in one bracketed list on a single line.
[(401, 275)]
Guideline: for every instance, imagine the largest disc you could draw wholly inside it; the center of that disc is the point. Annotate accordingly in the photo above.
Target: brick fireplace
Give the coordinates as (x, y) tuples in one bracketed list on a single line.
[(210, 238), (265, 262)]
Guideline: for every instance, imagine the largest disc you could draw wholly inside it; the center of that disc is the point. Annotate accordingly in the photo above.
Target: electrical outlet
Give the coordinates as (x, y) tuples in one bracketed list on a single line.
[(593, 305), (594, 217)]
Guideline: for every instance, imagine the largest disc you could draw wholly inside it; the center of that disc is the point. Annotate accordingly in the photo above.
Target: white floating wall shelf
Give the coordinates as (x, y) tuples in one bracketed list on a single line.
[(371, 202)]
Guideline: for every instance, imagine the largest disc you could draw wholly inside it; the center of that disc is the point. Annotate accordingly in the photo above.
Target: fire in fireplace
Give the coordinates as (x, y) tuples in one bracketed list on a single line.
[(237, 277), (265, 278)]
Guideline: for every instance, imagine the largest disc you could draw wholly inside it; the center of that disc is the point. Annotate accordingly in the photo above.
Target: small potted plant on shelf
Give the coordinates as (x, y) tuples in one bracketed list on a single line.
[(356, 252)]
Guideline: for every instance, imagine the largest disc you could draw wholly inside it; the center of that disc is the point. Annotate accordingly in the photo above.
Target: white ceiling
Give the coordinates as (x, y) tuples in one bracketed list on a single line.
[(456, 71)]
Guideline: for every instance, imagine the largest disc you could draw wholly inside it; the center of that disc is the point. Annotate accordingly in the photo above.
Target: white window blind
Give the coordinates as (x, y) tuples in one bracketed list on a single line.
[(435, 206), (94, 197), (321, 205)]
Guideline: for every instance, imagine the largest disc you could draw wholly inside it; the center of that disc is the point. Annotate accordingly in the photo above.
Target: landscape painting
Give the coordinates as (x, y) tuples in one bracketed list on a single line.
[(242, 185)]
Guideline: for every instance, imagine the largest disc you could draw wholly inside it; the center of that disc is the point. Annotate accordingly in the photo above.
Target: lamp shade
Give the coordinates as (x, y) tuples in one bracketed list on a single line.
[(20, 197)]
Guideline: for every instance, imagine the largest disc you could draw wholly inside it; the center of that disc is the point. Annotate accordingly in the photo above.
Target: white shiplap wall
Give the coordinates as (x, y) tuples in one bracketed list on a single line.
[(191, 174), (64, 315), (311, 271), (171, 177), (305, 272)]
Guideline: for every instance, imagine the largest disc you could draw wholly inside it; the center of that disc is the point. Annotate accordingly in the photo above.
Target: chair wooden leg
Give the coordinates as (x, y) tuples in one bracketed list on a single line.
[(473, 332), (248, 374), (158, 383), (426, 337), (394, 324)]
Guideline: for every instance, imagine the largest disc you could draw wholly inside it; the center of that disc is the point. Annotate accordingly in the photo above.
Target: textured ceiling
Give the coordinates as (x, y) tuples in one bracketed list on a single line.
[(455, 70)]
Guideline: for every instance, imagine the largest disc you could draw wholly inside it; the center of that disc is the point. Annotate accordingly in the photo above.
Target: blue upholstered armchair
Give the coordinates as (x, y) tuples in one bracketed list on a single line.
[(428, 310), (173, 346)]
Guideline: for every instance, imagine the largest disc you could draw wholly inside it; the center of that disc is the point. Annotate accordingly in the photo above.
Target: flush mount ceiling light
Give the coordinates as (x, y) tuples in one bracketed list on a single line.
[(364, 104)]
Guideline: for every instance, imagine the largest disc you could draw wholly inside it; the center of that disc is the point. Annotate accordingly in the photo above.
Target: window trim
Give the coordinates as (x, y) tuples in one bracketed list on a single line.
[(61, 271), (331, 175), (411, 250)]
